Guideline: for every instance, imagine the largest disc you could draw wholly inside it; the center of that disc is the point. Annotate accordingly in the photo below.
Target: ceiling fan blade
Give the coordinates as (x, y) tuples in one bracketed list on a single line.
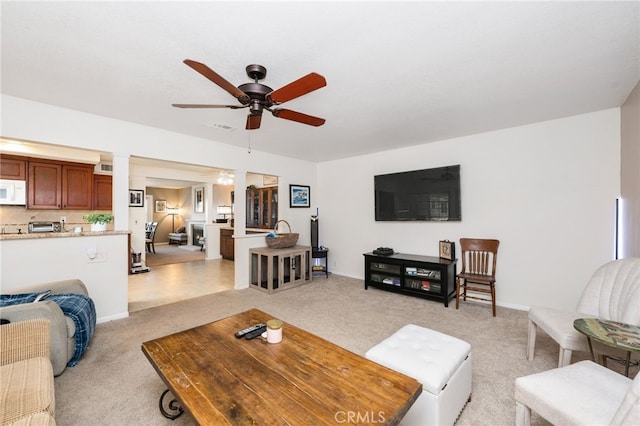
[(253, 121), (301, 86), (217, 79), (208, 106), (287, 114)]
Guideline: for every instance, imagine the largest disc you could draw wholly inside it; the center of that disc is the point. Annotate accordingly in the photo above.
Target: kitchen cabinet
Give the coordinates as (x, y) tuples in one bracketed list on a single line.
[(227, 245), (59, 185), (262, 207), (13, 168), (102, 192)]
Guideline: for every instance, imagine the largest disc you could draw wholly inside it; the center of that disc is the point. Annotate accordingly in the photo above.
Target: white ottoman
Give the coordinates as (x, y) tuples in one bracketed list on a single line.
[(440, 362)]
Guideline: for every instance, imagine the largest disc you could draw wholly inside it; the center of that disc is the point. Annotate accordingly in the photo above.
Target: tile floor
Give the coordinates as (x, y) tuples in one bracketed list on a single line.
[(179, 281)]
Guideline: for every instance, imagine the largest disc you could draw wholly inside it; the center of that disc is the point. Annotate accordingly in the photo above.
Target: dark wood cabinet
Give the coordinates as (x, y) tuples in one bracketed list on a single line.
[(422, 276), (13, 168), (57, 185), (44, 185), (77, 187), (227, 245), (262, 207), (102, 192)]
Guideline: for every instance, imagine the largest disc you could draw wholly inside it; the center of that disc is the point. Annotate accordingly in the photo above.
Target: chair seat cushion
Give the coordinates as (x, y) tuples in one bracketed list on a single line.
[(558, 325), (477, 278), (26, 388), (581, 393), (426, 355)]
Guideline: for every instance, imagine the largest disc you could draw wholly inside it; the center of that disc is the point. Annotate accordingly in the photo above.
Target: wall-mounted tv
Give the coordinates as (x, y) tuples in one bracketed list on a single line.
[(429, 195)]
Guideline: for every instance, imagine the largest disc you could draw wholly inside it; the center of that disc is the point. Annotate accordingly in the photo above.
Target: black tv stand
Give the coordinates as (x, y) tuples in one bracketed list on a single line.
[(421, 276)]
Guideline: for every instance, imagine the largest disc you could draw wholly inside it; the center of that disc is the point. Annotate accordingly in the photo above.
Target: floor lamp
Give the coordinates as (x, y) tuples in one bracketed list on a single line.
[(173, 212)]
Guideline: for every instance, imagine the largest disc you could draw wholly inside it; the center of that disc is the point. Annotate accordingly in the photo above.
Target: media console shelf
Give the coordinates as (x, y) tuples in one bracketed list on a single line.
[(422, 276)]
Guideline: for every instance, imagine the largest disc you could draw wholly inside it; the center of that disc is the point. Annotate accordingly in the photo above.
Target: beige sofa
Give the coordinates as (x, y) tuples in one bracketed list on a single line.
[(27, 392), (63, 329)]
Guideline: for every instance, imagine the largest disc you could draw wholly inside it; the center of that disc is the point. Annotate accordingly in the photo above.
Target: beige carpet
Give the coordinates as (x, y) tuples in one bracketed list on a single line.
[(171, 253), (114, 384)]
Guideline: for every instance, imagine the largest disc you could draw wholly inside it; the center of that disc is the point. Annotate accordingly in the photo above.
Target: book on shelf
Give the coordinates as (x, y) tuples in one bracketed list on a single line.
[(391, 281)]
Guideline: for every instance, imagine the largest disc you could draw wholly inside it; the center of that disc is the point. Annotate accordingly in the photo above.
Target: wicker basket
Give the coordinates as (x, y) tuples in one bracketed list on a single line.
[(282, 240)]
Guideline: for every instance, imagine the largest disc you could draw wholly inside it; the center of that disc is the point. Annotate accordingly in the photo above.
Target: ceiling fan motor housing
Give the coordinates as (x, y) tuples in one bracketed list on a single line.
[(257, 96)]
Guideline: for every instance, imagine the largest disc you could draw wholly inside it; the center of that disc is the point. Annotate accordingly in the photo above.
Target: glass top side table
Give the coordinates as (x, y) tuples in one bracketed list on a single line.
[(611, 333)]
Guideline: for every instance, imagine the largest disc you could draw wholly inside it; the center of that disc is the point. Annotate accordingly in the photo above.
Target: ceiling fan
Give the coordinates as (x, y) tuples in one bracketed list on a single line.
[(258, 97)]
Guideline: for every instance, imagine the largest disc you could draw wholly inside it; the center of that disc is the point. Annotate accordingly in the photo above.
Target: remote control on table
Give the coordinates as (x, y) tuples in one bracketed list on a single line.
[(241, 333), (255, 333)]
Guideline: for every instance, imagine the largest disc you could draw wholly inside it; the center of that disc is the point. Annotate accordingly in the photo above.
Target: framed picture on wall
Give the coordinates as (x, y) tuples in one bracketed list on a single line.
[(198, 200), (299, 196), (136, 198), (161, 206), (269, 180)]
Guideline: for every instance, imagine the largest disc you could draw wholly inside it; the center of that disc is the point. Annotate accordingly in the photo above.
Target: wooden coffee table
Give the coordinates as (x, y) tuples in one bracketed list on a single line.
[(303, 380)]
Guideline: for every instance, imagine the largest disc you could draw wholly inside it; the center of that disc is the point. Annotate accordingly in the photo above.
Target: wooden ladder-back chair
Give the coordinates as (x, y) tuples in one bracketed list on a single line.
[(478, 274)]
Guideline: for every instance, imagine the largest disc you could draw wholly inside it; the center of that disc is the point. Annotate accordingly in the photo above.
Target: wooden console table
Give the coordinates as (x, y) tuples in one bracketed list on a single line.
[(279, 269)]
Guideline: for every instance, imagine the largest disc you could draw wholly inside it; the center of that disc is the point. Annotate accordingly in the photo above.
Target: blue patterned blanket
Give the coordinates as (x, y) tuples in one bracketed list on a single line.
[(82, 311)]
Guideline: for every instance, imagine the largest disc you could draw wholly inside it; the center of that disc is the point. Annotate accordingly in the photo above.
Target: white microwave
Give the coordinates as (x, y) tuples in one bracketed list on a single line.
[(13, 192)]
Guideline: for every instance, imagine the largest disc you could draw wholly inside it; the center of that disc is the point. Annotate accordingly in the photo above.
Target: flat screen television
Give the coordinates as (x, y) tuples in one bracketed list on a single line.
[(419, 195)]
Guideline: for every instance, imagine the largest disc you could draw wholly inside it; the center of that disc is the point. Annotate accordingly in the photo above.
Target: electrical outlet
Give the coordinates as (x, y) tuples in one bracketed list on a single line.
[(63, 219)]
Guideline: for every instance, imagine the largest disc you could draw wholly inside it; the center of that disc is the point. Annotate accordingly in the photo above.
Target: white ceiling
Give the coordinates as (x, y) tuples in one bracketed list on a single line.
[(398, 73)]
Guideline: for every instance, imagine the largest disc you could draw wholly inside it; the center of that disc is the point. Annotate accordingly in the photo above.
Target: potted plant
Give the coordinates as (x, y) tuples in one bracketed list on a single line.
[(98, 220)]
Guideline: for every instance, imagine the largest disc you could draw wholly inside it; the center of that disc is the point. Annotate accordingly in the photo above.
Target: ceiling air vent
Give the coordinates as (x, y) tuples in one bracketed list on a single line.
[(103, 169)]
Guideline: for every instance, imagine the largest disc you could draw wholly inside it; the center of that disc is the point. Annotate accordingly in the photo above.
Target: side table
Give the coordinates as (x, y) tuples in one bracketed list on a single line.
[(611, 333), (321, 265)]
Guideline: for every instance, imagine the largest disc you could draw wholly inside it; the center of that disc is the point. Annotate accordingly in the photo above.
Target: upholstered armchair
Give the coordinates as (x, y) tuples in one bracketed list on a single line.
[(612, 293), (584, 393), (178, 237), (63, 329)]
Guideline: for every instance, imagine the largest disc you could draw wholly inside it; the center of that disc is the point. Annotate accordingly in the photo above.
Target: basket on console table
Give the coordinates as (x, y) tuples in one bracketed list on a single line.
[(278, 241)]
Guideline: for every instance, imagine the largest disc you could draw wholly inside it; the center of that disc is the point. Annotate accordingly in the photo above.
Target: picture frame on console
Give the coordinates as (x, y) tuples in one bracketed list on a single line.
[(299, 196), (447, 249)]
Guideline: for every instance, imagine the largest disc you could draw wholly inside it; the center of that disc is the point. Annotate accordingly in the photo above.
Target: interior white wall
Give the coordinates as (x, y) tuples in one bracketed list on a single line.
[(33, 121), (98, 261), (630, 174), (547, 191)]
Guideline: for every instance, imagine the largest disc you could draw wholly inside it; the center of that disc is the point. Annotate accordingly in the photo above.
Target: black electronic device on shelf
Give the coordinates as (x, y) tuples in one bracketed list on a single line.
[(383, 251)]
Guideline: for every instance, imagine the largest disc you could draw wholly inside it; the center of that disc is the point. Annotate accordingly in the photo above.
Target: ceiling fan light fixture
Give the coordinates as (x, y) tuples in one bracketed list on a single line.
[(225, 179), (258, 96)]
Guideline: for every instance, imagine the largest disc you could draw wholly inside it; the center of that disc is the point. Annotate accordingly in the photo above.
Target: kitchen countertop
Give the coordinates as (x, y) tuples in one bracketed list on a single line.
[(38, 235)]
